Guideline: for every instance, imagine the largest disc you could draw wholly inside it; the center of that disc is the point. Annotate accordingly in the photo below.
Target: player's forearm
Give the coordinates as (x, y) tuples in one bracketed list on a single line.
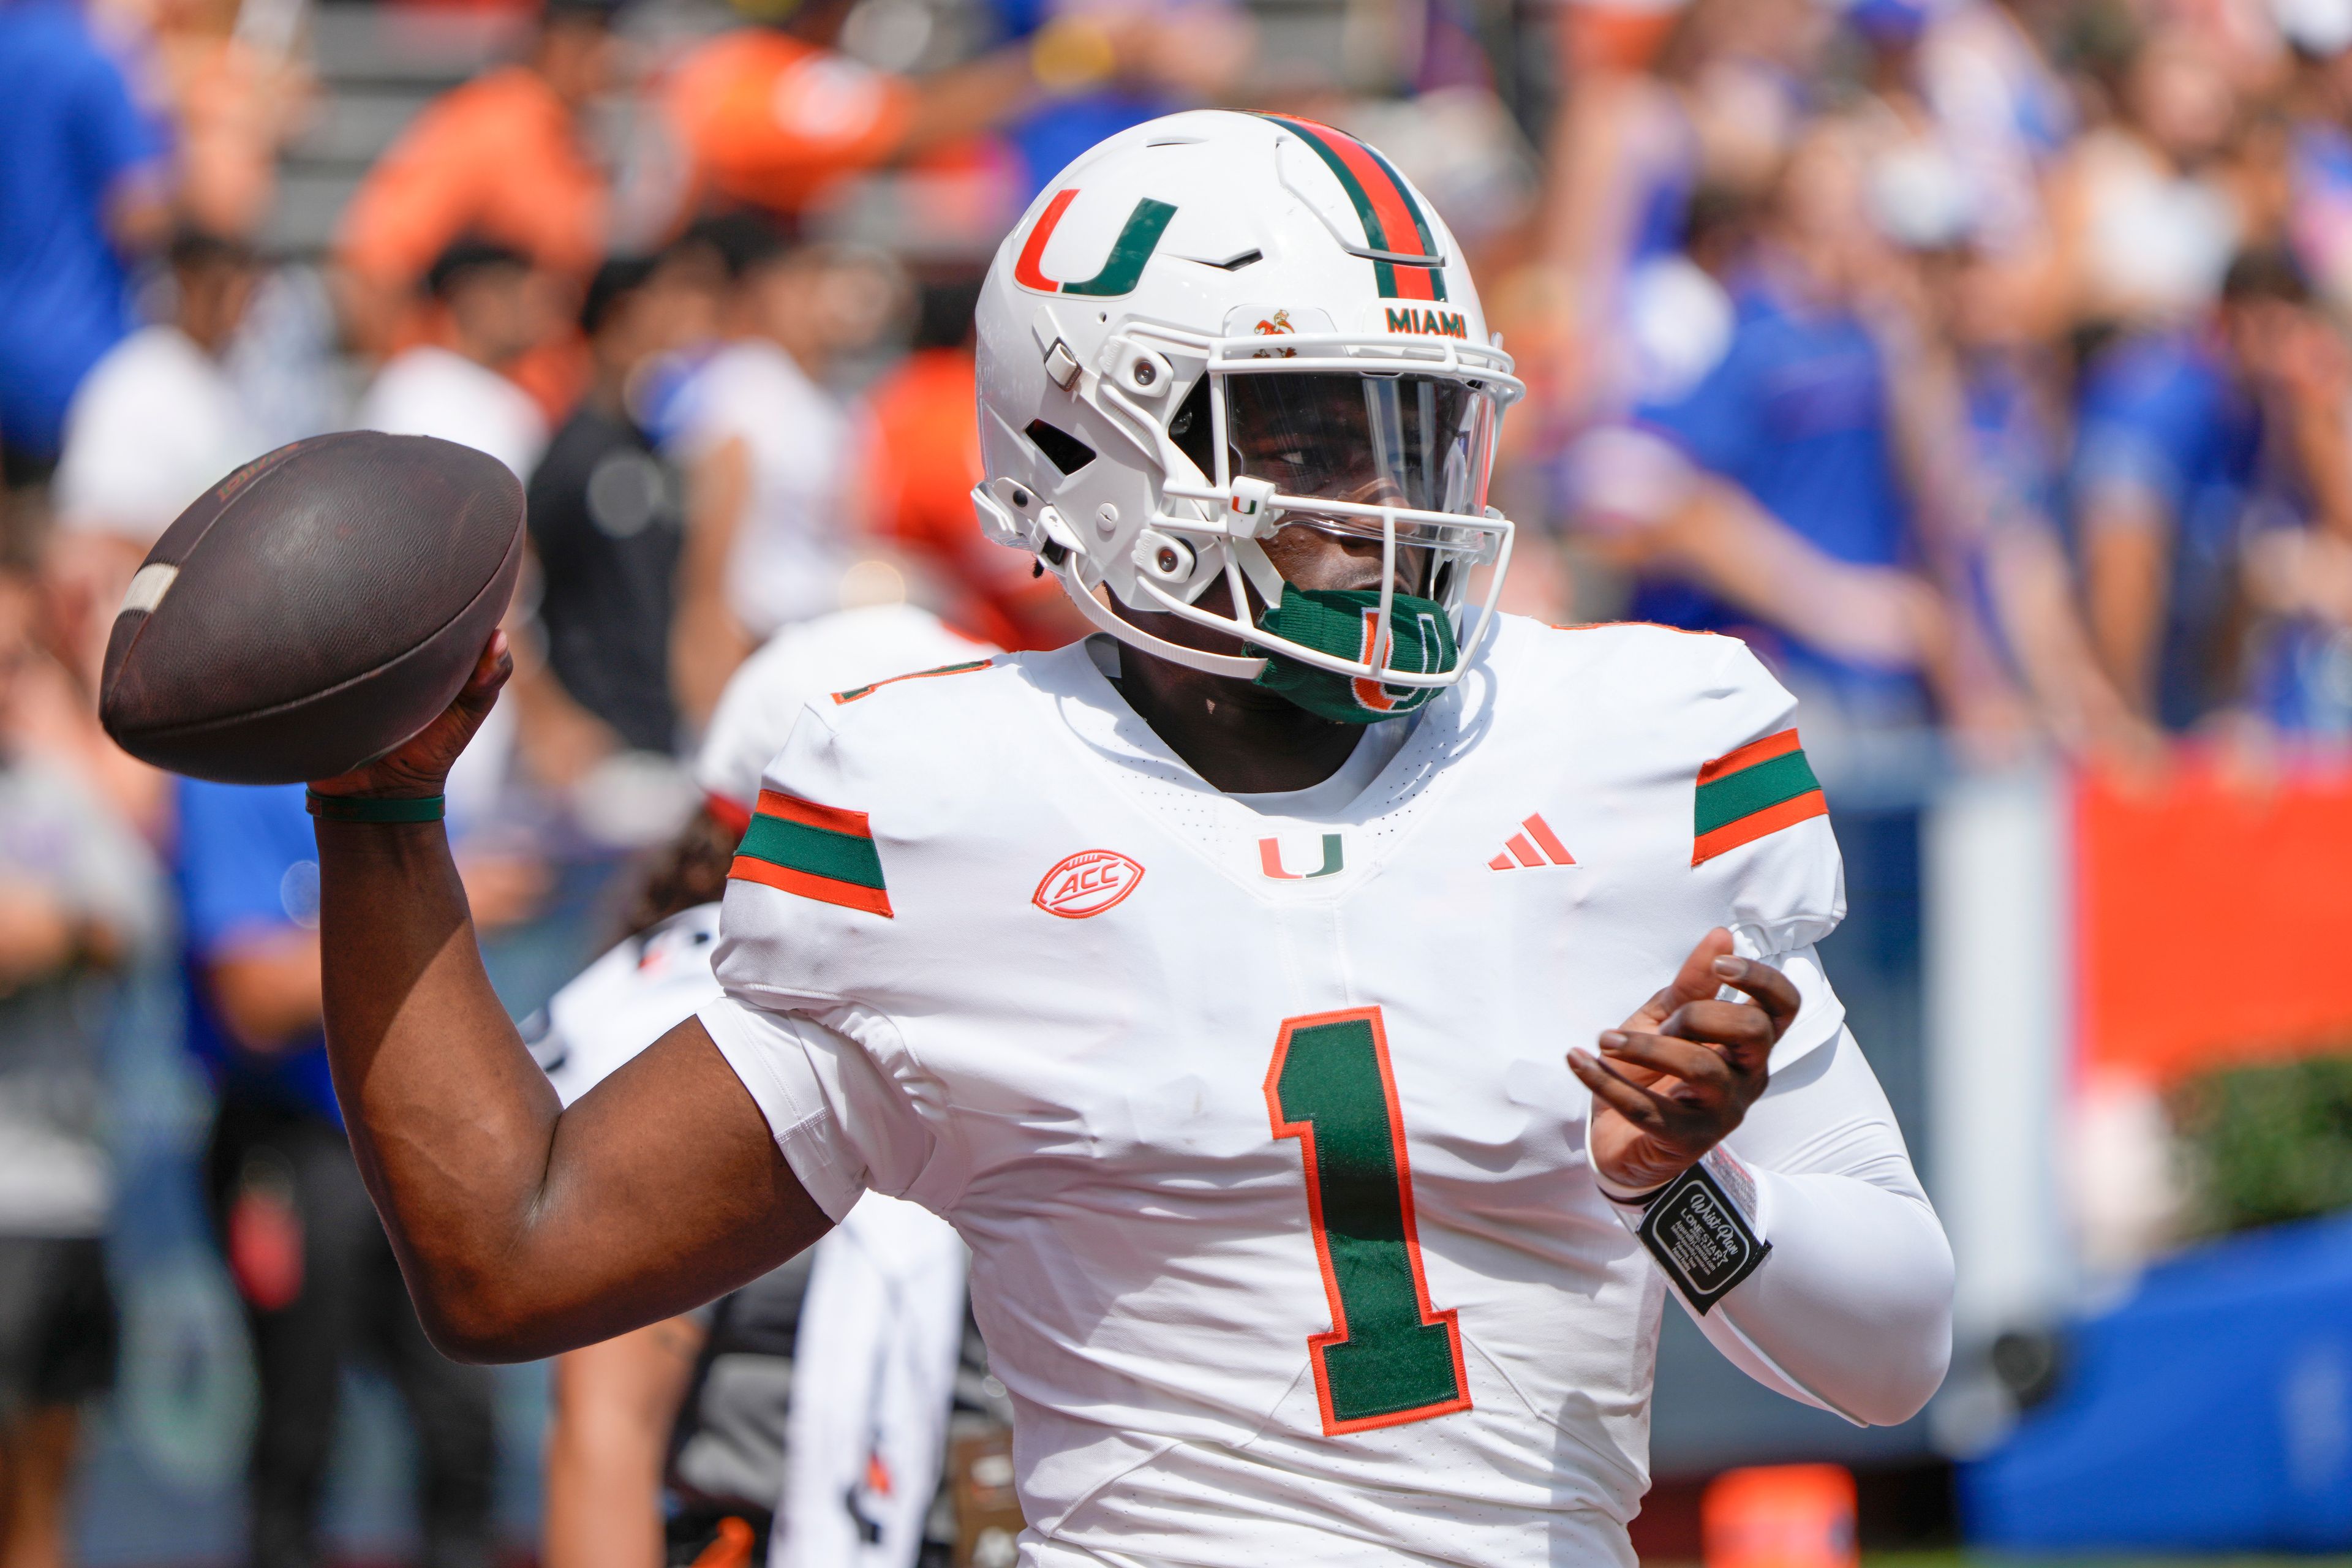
[(1851, 1308), (1854, 1307), (451, 1120)]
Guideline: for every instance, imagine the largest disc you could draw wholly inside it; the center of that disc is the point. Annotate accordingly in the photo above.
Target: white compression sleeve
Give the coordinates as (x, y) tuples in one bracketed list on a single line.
[(1851, 1310)]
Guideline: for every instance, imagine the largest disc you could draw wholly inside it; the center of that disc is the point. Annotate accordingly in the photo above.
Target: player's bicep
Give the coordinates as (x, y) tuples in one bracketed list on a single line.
[(665, 1190)]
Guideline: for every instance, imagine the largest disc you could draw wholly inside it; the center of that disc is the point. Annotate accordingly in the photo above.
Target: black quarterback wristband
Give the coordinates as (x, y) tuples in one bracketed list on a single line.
[(1701, 1228), (377, 808)]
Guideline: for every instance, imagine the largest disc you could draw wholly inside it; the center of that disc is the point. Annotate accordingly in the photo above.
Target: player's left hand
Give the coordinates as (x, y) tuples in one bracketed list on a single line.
[(1681, 1073)]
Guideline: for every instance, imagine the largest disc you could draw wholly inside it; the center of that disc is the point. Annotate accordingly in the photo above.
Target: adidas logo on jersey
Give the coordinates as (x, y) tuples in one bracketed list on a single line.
[(1086, 883), (1534, 844)]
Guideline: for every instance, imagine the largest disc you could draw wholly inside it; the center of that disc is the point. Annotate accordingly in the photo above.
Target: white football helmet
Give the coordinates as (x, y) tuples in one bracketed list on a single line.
[(1217, 323)]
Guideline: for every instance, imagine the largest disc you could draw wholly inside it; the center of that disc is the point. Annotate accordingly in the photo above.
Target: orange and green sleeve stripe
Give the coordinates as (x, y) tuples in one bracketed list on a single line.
[(819, 852), (1762, 788)]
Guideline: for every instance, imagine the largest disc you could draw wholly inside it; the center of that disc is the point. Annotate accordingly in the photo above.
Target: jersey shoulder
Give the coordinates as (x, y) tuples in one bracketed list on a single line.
[(928, 761), (956, 715), (1678, 689), (886, 817), (1693, 717)]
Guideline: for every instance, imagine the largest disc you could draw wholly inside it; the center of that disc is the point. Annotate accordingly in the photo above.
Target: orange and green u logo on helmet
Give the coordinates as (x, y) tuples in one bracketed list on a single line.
[(1120, 274)]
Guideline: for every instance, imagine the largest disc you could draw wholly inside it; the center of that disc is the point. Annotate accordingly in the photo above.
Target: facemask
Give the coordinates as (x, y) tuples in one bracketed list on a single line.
[(1340, 622)]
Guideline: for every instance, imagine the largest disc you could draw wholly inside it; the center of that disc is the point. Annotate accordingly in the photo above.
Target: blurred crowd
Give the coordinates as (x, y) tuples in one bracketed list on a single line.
[(1984, 365), (1982, 362)]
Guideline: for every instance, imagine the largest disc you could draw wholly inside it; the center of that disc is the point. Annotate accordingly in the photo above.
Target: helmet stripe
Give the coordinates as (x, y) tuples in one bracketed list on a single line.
[(1413, 209), (1392, 220)]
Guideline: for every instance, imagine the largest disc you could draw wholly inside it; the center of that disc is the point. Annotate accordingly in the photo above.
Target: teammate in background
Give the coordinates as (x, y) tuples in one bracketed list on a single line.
[(608, 516), (920, 459), (1211, 976), (705, 1399), (543, 191)]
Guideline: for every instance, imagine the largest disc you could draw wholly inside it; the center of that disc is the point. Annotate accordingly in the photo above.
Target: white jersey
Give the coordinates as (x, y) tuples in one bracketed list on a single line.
[(881, 1326), (625, 1001), (806, 663), (1253, 1111)]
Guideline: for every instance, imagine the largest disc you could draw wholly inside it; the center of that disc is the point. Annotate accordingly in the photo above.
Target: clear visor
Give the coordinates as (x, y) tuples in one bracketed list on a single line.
[(1417, 442)]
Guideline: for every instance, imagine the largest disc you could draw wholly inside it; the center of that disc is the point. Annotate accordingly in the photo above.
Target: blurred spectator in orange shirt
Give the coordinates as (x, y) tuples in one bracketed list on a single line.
[(771, 114), (507, 157), (920, 459)]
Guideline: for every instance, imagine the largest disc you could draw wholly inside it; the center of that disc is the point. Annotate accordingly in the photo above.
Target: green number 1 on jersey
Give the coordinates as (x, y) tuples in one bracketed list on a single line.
[(1390, 1358)]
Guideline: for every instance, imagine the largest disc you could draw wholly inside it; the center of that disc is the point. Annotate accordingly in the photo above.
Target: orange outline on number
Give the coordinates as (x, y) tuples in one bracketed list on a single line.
[(1304, 1132)]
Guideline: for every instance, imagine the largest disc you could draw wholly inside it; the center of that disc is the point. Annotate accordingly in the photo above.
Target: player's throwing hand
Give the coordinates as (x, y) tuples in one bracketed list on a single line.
[(420, 765), (1681, 1073)]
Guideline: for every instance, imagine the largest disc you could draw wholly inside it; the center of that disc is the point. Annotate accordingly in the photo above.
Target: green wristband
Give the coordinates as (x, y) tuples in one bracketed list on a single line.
[(375, 808)]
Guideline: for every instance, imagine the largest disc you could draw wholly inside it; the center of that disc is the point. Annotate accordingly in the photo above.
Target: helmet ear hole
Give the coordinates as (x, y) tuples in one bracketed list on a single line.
[(1064, 450)]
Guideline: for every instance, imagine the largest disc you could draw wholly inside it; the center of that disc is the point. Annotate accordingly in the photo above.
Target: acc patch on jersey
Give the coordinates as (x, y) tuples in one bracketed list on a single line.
[(1762, 787), (819, 852), (1086, 883)]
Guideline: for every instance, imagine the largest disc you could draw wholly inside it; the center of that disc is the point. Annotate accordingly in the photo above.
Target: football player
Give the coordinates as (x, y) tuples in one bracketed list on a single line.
[(1212, 976), (852, 1346)]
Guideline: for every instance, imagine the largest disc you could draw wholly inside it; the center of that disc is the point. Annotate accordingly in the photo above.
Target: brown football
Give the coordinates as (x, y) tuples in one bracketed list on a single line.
[(314, 609)]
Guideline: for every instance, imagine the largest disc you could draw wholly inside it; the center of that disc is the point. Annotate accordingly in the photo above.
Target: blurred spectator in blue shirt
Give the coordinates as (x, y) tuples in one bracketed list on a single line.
[(1983, 437), (2202, 449), (2165, 456), (82, 187), (319, 1280), (2007, 475), (2216, 511), (1760, 491), (248, 877), (1180, 53), (1795, 413)]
